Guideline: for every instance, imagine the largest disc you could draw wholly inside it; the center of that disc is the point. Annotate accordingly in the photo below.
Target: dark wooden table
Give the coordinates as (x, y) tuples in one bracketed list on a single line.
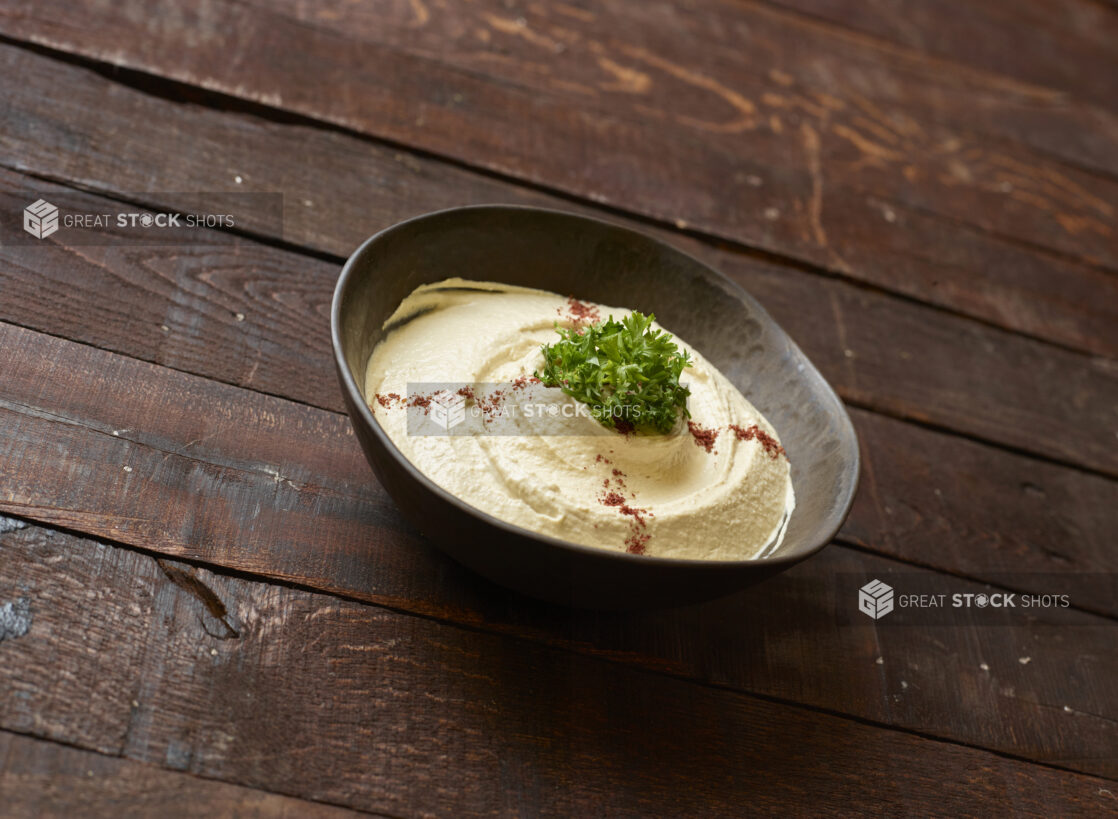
[(209, 606)]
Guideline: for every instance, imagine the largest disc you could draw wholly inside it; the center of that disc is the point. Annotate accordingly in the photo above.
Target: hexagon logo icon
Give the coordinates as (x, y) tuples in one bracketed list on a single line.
[(40, 219), (448, 409), (875, 599)]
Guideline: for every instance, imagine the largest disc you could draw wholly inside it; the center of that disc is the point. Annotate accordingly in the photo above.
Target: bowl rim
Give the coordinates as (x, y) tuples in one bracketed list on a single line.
[(358, 400)]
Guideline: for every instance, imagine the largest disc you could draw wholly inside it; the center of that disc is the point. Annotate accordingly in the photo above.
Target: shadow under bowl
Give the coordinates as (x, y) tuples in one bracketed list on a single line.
[(600, 262)]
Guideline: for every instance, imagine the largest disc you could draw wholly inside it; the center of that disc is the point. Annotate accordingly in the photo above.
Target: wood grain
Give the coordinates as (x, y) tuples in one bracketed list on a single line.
[(43, 779), (703, 64), (328, 699), (343, 188), (718, 100), (1067, 46), (189, 468)]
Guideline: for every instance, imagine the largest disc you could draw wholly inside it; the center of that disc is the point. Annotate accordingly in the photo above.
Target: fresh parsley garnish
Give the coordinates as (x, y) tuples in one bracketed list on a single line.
[(626, 373)]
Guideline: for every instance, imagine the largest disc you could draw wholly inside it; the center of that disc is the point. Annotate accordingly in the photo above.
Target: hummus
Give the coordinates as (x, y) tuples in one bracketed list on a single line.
[(716, 488)]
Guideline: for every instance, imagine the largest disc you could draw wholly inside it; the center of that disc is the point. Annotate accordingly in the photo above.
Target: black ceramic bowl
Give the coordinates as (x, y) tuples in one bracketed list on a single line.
[(596, 261)]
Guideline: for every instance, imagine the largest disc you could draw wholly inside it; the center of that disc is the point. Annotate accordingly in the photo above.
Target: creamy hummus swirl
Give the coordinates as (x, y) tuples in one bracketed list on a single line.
[(719, 490)]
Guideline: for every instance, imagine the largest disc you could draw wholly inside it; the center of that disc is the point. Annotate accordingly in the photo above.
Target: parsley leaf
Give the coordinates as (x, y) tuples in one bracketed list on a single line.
[(626, 373)]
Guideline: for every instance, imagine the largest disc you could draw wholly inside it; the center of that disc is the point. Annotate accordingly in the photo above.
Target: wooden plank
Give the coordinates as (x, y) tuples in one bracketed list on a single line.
[(718, 101), (328, 699), (39, 779), (956, 505), (937, 368), (353, 187), (1067, 46), (189, 468), (691, 60)]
